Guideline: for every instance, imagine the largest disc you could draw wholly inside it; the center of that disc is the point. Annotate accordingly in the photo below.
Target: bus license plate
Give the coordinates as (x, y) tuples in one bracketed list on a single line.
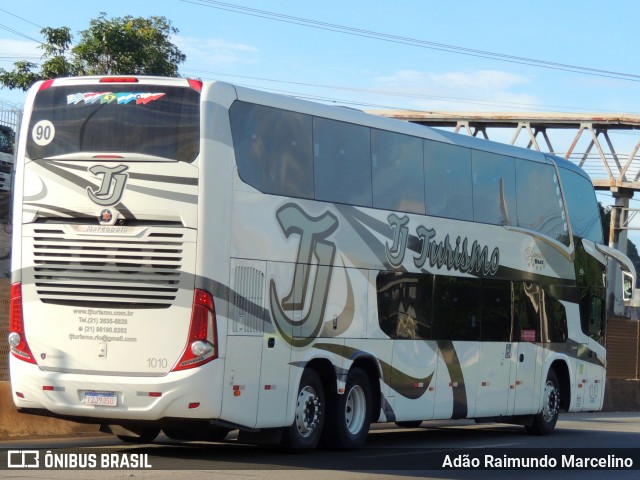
[(102, 399)]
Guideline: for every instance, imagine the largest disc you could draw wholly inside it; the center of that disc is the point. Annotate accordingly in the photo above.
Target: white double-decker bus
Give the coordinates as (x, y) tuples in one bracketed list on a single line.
[(198, 258)]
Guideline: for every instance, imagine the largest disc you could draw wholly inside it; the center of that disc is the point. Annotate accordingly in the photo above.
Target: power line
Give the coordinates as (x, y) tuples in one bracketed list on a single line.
[(466, 101), (23, 19), (308, 96), (16, 32), (18, 56), (412, 41)]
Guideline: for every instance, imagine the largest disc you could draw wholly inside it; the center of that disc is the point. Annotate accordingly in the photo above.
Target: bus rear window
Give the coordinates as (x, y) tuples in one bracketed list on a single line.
[(146, 119)]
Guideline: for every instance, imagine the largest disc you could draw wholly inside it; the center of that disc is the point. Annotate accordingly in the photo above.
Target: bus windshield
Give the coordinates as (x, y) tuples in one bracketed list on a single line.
[(161, 121)]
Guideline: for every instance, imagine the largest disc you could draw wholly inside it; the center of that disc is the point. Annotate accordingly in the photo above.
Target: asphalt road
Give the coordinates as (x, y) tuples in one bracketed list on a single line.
[(388, 453)]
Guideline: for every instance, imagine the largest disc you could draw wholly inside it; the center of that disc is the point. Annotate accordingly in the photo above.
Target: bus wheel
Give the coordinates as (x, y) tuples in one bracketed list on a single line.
[(309, 414), (145, 435), (348, 426), (545, 421)]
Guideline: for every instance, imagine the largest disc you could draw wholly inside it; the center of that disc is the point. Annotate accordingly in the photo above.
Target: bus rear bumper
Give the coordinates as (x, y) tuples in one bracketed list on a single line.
[(192, 394)]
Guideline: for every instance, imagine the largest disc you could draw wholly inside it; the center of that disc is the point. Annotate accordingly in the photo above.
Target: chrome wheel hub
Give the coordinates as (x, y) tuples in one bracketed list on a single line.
[(355, 409), (551, 405), (307, 411)]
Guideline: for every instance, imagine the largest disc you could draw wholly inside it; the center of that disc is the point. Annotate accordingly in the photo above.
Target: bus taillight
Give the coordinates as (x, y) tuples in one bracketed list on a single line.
[(202, 345), (46, 84), (195, 84), (17, 339)]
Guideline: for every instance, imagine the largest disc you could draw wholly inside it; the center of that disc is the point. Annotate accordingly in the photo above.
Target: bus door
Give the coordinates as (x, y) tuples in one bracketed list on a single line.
[(404, 306), (275, 365), (525, 378), (590, 368), (496, 355), (591, 265), (257, 359), (456, 326)]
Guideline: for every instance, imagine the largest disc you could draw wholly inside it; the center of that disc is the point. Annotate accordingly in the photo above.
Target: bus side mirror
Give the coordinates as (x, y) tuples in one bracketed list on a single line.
[(627, 286)]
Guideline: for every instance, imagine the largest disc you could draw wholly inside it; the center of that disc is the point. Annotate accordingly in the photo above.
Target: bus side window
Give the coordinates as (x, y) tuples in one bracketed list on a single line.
[(592, 313), (342, 162), (496, 314), (526, 312), (273, 149), (582, 205), (397, 169), (554, 320), (448, 183), (457, 305), (539, 200), (404, 305), (494, 188)]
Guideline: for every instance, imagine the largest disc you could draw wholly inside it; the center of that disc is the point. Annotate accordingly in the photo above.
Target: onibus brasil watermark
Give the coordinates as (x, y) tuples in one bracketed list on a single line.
[(36, 459)]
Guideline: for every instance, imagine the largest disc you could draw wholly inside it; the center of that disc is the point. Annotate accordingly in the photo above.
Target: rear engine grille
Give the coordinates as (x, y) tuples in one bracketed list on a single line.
[(124, 272)]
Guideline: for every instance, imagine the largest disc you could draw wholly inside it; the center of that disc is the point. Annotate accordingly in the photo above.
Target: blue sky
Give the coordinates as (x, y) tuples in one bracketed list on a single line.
[(258, 51), (266, 53)]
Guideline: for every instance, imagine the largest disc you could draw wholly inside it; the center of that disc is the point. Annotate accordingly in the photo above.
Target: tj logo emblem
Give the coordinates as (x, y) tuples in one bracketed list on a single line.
[(112, 186), (313, 233)]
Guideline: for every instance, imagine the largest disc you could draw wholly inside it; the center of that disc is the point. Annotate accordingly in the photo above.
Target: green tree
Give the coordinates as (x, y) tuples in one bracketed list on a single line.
[(117, 46), (56, 51), (55, 61), (128, 45)]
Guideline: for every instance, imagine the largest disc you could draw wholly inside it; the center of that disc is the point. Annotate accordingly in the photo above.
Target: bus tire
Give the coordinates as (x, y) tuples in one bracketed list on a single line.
[(310, 406), (545, 421), (347, 425)]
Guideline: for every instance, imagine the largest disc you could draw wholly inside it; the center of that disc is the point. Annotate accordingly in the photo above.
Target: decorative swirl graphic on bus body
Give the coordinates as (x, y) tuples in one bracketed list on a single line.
[(314, 233)]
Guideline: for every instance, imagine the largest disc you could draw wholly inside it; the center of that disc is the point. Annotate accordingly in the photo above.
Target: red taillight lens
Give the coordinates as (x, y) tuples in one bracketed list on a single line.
[(195, 84), (46, 84), (118, 80), (17, 339), (202, 345)]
